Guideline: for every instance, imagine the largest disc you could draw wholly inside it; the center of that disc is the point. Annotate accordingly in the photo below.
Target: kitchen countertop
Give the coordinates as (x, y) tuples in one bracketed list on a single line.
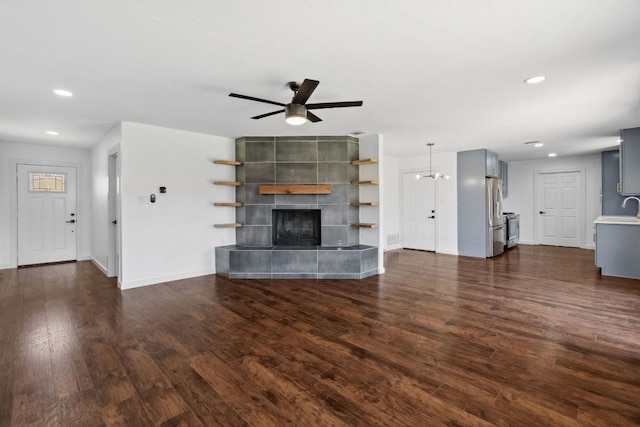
[(617, 219)]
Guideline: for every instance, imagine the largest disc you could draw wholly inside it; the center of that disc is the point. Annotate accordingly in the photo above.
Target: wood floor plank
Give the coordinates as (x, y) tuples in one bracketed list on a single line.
[(126, 413), (111, 383), (533, 337), (70, 373), (244, 398)]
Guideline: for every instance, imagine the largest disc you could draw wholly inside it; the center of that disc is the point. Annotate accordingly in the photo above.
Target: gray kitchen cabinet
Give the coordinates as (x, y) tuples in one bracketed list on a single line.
[(617, 250), (479, 233), (611, 198), (493, 164), (630, 162), (504, 176)]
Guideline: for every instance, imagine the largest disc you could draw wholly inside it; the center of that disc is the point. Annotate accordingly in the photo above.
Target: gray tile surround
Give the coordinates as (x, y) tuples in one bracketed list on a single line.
[(239, 262), (297, 160)]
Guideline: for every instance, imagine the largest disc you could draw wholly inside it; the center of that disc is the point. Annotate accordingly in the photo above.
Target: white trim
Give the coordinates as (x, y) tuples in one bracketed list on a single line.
[(162, 279), (582, 202), (446, 252), (13, 200), (100, 266), (403, 172)]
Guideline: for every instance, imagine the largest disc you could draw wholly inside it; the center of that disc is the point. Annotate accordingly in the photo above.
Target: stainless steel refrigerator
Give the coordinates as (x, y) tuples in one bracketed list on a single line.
[(496, 227)]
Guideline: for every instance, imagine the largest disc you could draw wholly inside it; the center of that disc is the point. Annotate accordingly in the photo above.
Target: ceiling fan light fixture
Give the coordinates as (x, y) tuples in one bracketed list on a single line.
[(296, 114)]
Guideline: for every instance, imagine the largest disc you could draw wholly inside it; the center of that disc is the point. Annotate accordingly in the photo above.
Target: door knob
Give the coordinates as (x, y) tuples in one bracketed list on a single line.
[(431, 217), (71, 221), (542, 212), (115, 221)]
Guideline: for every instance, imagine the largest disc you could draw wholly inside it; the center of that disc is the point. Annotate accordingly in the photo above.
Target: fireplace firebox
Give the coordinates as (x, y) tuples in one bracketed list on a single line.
[(296, 227)]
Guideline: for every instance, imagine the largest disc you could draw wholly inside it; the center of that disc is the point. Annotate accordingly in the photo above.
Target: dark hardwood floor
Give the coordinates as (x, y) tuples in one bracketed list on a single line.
[(533, 338)]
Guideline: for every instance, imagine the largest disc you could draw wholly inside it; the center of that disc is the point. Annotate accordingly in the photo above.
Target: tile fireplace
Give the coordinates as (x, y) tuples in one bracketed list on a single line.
[(297, 235)]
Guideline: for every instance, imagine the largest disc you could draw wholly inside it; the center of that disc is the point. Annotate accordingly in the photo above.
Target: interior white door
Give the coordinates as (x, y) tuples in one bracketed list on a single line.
[(47, 216), (113, 257), (419, 213), (560, 205)]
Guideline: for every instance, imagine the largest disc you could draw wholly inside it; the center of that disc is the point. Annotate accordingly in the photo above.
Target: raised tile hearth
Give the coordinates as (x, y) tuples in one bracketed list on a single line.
[(308, 262)]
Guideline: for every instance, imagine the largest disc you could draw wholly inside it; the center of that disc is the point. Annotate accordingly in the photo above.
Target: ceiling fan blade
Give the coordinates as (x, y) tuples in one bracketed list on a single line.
[(267, 114), (251, 98), (312, 117), (334, 105), (306, 89)]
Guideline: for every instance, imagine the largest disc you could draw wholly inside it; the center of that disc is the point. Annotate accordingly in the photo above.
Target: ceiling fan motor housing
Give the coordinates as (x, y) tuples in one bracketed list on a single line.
[(295, 113)]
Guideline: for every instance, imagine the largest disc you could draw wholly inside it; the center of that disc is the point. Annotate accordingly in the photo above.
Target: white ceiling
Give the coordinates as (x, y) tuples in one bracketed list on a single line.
[(448, 71)]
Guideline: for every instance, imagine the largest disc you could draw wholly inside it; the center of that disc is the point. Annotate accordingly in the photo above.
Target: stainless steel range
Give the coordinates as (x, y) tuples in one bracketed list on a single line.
[(513, 228)]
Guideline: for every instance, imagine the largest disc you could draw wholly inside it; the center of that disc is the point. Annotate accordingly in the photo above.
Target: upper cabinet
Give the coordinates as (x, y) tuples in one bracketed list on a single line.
[(630, 162), (611, 198), (493, 165), (504, 175)]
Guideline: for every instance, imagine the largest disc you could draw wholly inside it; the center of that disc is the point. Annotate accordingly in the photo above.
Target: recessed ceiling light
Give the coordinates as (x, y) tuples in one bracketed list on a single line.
[(552, 154), (62, 92), (534, 143), (52, 132), (535, 79)]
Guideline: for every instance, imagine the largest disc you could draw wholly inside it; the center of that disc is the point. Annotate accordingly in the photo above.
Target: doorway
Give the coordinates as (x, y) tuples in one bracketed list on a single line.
[(418, 213), (560, 208), (47, 214), (113, 217)]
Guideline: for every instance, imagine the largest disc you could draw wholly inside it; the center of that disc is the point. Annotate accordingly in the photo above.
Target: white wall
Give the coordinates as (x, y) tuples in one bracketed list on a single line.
[(371, 146), (392, 202), (446, 197), (101, 222), (173, 238), (12, 153), (521, 191)]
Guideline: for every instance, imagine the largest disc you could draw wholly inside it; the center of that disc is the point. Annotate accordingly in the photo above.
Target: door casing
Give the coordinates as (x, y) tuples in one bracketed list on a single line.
[(580, 202)]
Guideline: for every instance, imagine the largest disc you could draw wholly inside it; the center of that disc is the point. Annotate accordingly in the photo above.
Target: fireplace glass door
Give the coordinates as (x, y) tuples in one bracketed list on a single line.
[(296, 227)]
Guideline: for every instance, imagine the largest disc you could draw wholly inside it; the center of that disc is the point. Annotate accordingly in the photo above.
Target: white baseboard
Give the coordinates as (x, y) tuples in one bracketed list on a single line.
[(526, 242), (5, 266), (162, 279), (447, 252), (99, 265), (392, 247)]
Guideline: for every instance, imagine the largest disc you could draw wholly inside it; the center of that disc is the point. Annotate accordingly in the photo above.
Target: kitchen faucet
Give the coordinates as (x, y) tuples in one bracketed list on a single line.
[(636, 199)]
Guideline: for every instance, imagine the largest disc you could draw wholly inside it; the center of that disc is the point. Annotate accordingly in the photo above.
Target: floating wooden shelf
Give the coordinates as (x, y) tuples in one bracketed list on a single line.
[(364, 161), (365, 204), (227, 162), (364, 225), (231, 183), (295, 189), (229, 204), (231, 225), (370, 182)]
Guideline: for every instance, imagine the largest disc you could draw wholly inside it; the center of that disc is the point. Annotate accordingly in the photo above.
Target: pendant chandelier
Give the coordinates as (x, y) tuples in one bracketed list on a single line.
[(431, 173)]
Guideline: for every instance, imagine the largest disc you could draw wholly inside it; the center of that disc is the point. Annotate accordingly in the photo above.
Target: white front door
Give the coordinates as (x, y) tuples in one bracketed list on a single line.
[(419, 214), (560, 206), (47, 216)]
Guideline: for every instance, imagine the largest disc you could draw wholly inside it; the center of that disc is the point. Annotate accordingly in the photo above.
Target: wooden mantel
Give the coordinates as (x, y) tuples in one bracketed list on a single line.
[(295, 189)]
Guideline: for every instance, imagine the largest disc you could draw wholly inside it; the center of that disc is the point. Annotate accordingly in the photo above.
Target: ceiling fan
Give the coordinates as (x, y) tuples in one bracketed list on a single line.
[(297, 111)]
